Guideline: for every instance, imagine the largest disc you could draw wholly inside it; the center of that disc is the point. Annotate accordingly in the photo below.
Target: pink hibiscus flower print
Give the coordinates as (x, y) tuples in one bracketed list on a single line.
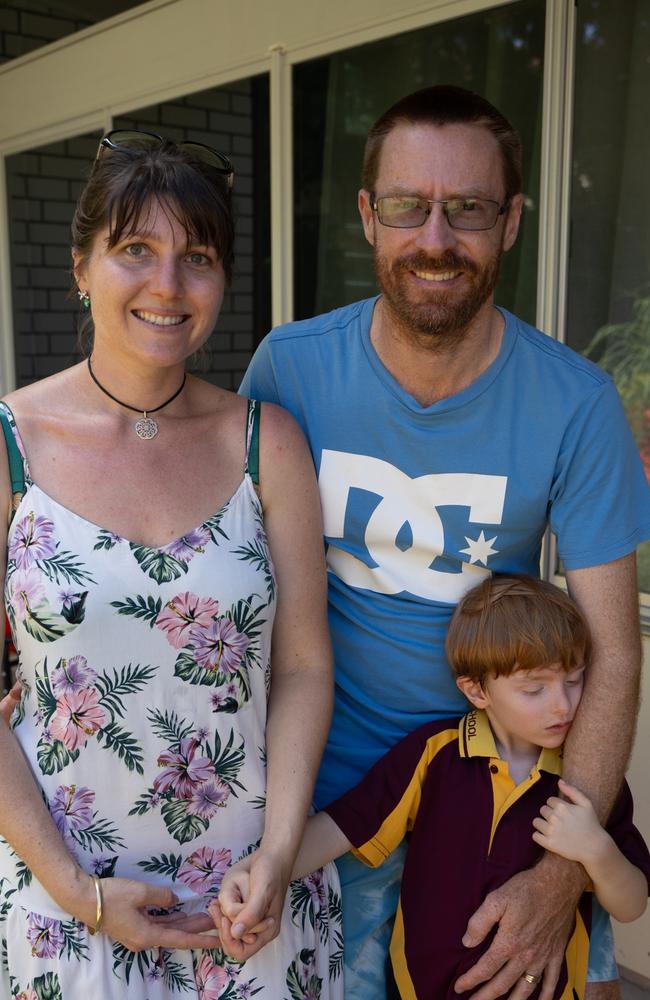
[(183, 613), (28, 994), (204, 870), (72, 675), (72, 807), (187, 546), (78, 715), (220, 646), (45, 935), (210, 979), (184, 770), (316, 885), (207, 798), (32, 540), (26, 591)]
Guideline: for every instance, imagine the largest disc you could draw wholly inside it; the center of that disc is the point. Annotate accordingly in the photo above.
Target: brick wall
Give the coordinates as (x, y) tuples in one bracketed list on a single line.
[(43, 185), (26, 25)]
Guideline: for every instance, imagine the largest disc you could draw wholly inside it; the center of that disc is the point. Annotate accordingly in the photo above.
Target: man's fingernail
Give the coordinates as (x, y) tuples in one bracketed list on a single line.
[(237, 930)]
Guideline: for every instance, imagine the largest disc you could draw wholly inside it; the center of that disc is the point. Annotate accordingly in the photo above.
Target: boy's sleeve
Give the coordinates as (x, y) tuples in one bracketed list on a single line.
[(376, 815), (629, 841)]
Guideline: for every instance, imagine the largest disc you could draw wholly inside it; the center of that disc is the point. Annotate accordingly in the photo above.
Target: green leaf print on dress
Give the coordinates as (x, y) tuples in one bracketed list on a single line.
[(75, 703), (302, 981)]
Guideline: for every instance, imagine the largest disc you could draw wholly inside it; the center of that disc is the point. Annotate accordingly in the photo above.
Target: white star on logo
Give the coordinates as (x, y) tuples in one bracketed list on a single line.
[(479, 549)]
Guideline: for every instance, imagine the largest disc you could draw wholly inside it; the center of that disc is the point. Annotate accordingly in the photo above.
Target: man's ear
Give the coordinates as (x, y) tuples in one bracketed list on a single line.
[(473, 691), (513, 219), (367, 216)]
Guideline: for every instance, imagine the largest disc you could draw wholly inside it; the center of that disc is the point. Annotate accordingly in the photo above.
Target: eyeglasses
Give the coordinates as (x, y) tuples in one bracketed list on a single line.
[(121, 139), (407, 211)]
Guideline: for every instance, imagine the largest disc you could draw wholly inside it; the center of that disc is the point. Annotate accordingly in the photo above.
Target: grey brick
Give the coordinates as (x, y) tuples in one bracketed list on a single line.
[(84, 147), (48, 322), (20, 45), (244, 225), (242, 284), (19, 277), (215, 100), (23, 163), (243, 342), (29, 298), (46, 27), (65, 343), (54, 149), (74, 189), (18, 231), (22, 321), (235, 124), (241, 104), (178, 114), (244, 185), (243, 245), (243, 165), (238, 87), (242, 144), (58, 211), (60, 301), (25, 253), (49, 365), (58, 257), (243, 265), (24, 370), (150, 114), (8, 19), (243, 304), (47, 188), (34, 343), (49, 232), (16, 186), (25, 208), (233, 323), (70, 167), (49, 277)]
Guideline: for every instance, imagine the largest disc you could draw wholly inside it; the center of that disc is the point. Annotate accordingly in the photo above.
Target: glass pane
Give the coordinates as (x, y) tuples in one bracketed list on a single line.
[(498, 53), (609, 269), (44, 183)]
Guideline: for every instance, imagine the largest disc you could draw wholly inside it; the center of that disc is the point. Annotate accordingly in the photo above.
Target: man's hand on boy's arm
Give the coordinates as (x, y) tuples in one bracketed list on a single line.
[(537, 907)]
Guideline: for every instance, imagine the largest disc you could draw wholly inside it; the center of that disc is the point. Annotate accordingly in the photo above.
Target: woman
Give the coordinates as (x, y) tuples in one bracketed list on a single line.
[(158, 531)]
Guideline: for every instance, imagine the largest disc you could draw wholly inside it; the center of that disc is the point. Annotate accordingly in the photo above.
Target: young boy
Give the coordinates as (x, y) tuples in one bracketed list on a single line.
[(478, 795)]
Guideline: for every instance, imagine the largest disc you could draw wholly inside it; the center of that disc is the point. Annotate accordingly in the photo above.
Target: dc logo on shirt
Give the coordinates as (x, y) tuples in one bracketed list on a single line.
[(410, 503)]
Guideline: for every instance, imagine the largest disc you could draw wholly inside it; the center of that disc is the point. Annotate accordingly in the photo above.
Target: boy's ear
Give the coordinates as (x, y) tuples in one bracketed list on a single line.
[(473, 691)]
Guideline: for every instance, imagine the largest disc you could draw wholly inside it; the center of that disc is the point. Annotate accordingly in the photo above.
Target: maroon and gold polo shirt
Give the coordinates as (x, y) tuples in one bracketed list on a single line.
[(470, 830)]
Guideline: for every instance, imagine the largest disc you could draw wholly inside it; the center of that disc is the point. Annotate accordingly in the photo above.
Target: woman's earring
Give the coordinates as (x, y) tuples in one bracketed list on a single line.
[(85, 298)]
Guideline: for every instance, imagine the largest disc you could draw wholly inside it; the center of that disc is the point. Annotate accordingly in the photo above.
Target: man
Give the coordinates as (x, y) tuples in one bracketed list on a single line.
[(446, 435)]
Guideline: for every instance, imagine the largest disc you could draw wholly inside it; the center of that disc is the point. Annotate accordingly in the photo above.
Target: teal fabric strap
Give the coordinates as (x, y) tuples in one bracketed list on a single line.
[(16, 469), (254, 447)]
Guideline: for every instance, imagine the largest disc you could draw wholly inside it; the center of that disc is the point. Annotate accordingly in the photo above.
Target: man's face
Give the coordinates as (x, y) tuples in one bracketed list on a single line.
[(435, 278)]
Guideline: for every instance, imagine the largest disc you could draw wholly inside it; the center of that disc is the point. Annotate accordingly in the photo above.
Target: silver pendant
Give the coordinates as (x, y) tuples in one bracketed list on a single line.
[(146, 428)]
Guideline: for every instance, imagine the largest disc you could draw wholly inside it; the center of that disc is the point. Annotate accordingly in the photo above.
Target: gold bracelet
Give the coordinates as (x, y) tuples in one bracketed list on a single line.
[(99, 913)]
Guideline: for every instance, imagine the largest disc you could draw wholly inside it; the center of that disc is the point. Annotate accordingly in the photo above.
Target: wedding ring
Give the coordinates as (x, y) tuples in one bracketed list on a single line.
[(530, 978)]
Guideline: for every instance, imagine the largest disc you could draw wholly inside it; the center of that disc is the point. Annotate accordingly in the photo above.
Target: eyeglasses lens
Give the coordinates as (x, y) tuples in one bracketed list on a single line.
[(472, 214)]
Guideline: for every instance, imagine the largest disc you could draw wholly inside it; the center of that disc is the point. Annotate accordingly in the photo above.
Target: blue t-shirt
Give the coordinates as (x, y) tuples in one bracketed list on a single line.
[(420, 503)]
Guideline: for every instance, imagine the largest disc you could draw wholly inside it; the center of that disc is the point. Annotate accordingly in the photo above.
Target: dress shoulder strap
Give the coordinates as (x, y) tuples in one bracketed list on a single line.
[(252, 464), (14, 454)]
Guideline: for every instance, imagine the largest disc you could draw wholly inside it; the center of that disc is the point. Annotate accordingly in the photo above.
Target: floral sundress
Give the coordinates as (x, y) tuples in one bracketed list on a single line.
[(145, 675)]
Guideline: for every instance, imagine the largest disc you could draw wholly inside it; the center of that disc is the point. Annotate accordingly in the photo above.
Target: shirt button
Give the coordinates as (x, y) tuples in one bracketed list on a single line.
[(494, 768)]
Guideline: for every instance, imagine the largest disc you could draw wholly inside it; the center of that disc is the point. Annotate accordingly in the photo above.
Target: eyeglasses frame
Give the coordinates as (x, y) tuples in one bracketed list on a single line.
[(228, 170), (502, 209)]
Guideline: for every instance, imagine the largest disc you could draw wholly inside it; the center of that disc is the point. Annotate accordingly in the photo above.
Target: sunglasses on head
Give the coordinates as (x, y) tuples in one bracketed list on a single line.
[(121, 139)]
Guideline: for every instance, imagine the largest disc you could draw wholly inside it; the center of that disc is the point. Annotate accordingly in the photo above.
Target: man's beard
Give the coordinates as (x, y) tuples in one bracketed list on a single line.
[(442, 314)]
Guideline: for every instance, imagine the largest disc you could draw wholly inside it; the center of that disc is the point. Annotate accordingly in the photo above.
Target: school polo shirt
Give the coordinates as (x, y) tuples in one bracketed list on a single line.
[(470, 830)]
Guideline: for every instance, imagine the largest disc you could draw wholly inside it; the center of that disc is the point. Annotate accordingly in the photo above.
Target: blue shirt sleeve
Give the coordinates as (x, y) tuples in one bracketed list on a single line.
[(600, 501), (260, 381)]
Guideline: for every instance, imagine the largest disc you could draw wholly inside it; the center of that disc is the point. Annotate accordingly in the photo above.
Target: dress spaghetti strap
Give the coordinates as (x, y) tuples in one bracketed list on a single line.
[(252, 463)]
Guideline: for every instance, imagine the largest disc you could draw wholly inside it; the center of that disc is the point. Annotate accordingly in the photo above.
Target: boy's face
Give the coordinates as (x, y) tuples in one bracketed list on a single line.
[(531, 707)]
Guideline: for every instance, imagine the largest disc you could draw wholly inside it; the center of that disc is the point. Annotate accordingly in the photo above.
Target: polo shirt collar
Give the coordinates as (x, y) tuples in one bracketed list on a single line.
[(476, 739)]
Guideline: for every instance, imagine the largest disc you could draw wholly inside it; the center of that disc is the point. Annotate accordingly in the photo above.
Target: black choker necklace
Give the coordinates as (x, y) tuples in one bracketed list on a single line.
[(145, 427)]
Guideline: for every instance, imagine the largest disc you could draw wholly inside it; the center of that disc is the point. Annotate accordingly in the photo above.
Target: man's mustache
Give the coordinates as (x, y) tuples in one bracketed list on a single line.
[(448, 261)]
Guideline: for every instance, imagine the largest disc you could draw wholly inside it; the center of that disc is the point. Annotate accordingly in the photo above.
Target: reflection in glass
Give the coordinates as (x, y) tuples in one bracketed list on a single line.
[(609, 280)]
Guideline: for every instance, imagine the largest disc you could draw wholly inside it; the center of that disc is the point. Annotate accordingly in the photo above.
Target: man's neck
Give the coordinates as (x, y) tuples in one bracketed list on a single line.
[(432, 367)]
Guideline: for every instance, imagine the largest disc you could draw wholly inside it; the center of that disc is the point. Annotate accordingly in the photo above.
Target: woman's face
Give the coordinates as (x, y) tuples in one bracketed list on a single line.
[(153, 297)]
